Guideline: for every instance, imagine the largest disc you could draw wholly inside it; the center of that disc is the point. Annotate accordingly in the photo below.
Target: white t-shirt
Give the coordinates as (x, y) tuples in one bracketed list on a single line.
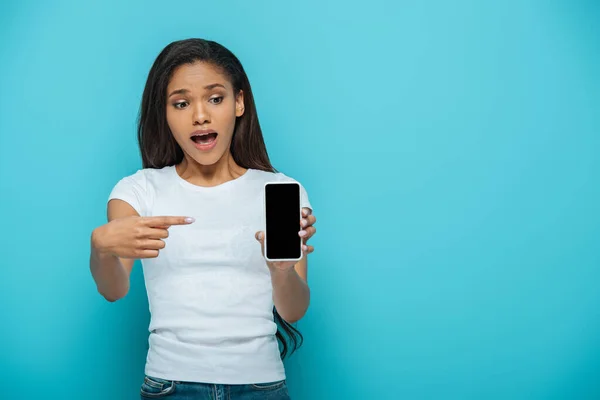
[(209, 290)]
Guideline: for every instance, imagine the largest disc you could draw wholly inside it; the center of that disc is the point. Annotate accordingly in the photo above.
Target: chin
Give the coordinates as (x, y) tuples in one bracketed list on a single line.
[(207, 159)]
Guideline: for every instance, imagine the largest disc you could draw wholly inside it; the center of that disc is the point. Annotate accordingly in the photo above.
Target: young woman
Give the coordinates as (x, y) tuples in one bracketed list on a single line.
[(194, 216)]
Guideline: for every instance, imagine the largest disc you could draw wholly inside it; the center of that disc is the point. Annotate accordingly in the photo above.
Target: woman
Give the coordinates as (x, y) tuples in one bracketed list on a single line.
[(193, 215)]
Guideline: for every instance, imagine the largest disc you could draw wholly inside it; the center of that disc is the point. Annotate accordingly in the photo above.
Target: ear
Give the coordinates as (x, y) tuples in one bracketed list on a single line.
[(239, 104)]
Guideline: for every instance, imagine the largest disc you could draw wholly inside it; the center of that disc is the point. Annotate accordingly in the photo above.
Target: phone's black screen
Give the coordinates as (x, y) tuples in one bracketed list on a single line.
[(282, 207)]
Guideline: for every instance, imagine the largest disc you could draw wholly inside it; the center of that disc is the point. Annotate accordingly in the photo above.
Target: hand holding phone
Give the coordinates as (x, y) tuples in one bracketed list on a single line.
[(282, 221), (288, 226)]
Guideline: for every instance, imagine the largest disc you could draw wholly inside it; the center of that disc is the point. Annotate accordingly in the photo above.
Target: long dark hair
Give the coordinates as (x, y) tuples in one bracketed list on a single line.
[(158, 146)]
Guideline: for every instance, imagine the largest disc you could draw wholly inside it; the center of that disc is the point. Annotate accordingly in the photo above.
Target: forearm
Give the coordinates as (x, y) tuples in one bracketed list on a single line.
[(291, 294), (111, 278)]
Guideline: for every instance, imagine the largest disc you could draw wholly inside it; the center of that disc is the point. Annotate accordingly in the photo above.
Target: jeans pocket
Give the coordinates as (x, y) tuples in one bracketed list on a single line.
[(156, 387), (269, 385)]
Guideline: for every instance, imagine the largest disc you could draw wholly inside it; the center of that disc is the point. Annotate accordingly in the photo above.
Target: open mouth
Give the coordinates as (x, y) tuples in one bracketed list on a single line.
[(205, 139)]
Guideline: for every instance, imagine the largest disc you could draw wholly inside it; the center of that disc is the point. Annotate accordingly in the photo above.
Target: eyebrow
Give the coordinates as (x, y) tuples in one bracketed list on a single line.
[(185, 91)]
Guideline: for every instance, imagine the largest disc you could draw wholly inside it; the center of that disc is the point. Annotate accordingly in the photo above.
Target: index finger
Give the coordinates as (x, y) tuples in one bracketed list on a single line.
[(166, 221)]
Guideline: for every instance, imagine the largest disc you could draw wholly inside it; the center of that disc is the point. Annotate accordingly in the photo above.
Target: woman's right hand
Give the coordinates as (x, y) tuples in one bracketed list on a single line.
[(135, 237)]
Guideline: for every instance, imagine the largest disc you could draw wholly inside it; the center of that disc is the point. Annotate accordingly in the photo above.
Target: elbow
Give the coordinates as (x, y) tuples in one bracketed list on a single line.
[(292, 318), (113, 297), (296, 314)]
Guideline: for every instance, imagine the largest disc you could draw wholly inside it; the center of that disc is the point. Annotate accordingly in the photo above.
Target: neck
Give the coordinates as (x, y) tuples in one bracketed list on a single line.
[(224, 170)]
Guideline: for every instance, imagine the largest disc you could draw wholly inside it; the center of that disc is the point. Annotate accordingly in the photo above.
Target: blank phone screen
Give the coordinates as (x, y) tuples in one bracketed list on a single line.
[(282, 207)]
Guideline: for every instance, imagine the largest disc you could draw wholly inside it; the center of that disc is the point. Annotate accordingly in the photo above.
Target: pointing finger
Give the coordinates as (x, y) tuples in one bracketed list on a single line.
[(165, 222)]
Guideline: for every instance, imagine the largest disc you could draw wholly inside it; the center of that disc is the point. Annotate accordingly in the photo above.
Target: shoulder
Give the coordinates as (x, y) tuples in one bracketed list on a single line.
[(146, 178), (140, 187), (143, 182)]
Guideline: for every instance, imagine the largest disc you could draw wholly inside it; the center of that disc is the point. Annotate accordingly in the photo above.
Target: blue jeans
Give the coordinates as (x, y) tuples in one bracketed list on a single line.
[(156, 388)]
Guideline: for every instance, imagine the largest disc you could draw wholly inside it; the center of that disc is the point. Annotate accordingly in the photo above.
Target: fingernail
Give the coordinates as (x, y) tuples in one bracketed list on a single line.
[(260, 236), (304, 222), (302, 233), (304, 247), (189, 220)]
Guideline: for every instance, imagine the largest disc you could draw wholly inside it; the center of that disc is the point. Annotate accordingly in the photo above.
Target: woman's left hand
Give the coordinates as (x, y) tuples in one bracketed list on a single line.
[(307, 230)]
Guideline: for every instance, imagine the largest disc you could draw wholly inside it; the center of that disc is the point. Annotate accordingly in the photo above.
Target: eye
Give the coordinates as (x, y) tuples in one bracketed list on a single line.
[(180, 105), (218, 100)]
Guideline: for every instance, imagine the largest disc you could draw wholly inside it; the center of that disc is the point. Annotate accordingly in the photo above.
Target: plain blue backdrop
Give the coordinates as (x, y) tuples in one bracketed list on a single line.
[(450, 150)]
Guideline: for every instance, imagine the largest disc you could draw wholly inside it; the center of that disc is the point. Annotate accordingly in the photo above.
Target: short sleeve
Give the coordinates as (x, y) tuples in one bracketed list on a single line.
[(132, 190), (304, 200)]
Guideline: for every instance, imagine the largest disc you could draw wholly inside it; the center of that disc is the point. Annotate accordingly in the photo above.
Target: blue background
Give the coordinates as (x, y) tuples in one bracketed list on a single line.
[(450, 150)]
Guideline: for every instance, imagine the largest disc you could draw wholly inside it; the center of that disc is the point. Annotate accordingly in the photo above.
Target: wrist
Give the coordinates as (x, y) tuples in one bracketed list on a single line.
[(98, 248), (278, 273)]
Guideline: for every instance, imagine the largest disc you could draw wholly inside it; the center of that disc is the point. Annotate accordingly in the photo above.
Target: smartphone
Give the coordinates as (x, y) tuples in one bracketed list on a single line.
[(282, 213)]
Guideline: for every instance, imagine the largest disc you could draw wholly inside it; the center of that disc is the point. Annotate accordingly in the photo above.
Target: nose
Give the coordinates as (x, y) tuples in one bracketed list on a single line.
[(200, 115)]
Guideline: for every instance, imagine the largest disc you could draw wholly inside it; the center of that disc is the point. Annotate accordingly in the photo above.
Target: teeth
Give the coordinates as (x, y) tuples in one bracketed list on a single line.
[(205, 138)]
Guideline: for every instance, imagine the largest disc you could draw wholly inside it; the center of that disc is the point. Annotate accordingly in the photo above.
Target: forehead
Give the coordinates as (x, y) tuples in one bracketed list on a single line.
[(196, 76)]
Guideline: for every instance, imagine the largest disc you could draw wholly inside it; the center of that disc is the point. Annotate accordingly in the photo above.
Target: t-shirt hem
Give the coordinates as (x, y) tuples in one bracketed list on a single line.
[(211, 377)]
